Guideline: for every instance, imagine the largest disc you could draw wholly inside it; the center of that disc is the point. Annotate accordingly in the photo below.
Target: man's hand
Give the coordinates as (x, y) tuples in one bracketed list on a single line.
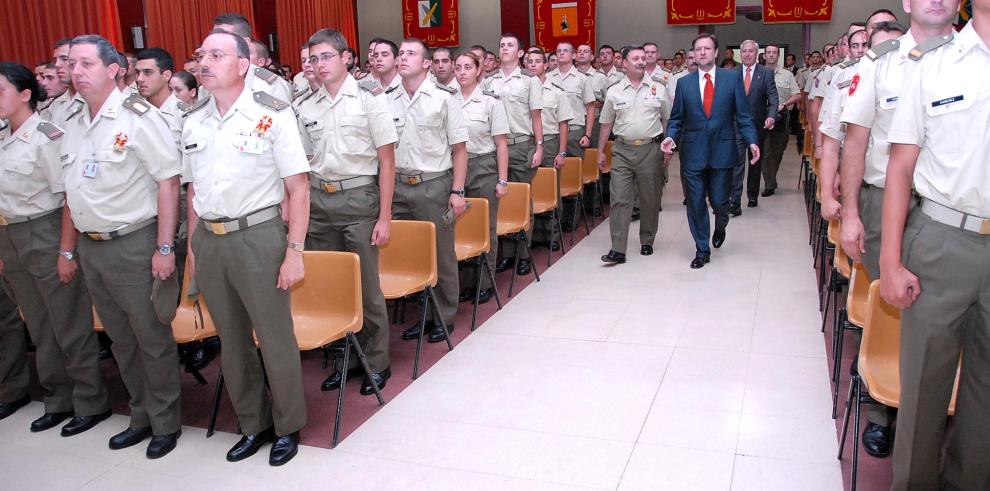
[(537, 157), (291, 271), (830, 208), (457, 204), (381, 233), (768, 124), (667, 158), (853, 237), (585, 141), (558, 161), (601, 161), (667, 146), (899, 287), (66, 269), (162, 266), (501, 190), (755, 149)]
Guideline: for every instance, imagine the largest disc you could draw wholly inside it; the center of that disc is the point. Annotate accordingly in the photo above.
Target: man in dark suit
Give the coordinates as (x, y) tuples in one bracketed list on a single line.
[(708, 107), (761, 91)]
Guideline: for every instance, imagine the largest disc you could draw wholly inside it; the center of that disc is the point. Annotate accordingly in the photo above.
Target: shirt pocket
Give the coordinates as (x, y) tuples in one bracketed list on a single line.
[(355, 127), (429, 133), (313, 129), (948, 100), (23, 166)]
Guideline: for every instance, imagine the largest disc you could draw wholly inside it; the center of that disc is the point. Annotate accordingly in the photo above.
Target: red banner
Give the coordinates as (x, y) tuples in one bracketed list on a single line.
[(778, 11), (564, 20), (433, 21), (693, 12)]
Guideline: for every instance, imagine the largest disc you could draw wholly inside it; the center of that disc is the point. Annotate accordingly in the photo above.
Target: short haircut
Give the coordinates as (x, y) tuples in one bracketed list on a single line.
[(241, 45), (705, 35), (567, 43), (769, 45), (444, 49), (23, 79), (392, 47), (161, 57), (329, 36), (62, 42), (887, 26), (427, 54), (882, 11), (187, 79), (630, 48), (513, 36), (107, 53), (649, 43), (858, 31), (750, 41), (537, 51), (815, 52), (123, 61), (858, 24), (261, 48), (240, 23), (478, 47), (606, 46)]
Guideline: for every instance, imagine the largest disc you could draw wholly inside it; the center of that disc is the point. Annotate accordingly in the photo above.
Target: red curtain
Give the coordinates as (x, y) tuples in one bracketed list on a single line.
[(297, 20), (30, 28), (178, 26)]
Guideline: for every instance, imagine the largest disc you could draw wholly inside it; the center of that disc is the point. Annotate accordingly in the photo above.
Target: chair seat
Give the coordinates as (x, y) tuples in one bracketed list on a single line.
[(468, 251), (396, 285), (856, 309), (504, 228), (312, 332), (543, 207), (883, 381)]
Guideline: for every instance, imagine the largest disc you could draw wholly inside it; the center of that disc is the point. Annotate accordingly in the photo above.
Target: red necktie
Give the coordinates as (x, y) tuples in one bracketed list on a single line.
[(748, 78), (709, 94)]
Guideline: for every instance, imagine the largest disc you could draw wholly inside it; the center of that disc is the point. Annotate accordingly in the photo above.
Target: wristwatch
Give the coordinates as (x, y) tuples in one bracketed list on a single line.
[(68, 255), (165, 249), (297, 246), (459, 192), (563, 154), (539, 142), (503, 182)]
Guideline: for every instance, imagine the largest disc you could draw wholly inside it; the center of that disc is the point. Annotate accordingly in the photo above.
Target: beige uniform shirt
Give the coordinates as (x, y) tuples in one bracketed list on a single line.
[(114, 162), (173, 115), (555, 108), (787, 85), (579, 92), (635, 112), (809, 83), (486, 118), (260, 79), (612, 77), (428, 123), (345, 132), (802, 76), (519, 93), (835, 98), (299, 84), (944, 108), (30, 169), (62, 107), (672, 84), (237, 161), (872, 101), (391, 86)]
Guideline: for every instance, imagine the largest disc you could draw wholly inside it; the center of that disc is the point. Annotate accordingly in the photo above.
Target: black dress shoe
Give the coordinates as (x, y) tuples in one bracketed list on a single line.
[(718, 238), (878, 440), (435, 334), (161, 445), (646, 250), (486, 295), (684, 202), (129, 438), (284, 448), (80, 424), (249, 445), (49, 421), (380, 378), (523, 267), (614, 258), (700, 260), (412, 332), (333, 381), (768, 192), (467, 295), (505, 264), (554, 245), (635, 214), (751, 203), (735, 210), (8, 408)]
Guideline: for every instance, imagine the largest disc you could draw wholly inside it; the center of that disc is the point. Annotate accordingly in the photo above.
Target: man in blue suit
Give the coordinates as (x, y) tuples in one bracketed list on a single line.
[(708, 107), (764, 103)]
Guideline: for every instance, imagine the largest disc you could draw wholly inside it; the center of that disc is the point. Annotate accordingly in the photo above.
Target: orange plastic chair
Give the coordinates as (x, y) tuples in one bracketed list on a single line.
[(571, 187), (852, 317), (545, 201), (833, 280), (473, 241), (608, 157), (590, 175), (97, 323), (407, 265), (878, 368), (513, 219)]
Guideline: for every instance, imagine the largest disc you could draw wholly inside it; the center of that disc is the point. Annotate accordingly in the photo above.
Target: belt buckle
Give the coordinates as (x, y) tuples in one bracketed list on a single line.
[(328, 187), (985, 227), (413, 179), (217, 228), (637, 142), (3, 220), (96, 236)]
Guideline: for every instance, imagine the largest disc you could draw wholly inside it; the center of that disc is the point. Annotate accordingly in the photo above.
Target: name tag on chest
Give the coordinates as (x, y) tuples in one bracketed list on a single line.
[(252, 144), (90, 168)]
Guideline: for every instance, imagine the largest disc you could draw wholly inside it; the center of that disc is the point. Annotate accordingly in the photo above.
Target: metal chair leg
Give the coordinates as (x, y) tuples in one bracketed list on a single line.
[(845, 418), (477, 291), (363, 359), (438, 317), (419, 340), (512, 281), (340, 393), (536, 272), (584, 216), (491, 276), (560, 230), (216, 405), (855, 435)]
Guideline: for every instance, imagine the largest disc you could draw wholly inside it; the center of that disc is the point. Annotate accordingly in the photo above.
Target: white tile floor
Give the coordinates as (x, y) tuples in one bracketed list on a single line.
[(647, 375)]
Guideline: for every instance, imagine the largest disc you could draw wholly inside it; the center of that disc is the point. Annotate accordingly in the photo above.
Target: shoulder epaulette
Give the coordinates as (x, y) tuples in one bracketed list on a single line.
[(555, 84), (836, 62), (50, 130), (137, 104), (197, 106), (525, 72), (445, 88), (850, 62), (182, 106), (268, 100), (76, 106), (371, 86), (883, 48), (265, 74), (360, 75), (492, 75), (658, 78), (609, 86), (491, 93), (305, 98), (928, 45), (3, 124), (391, 89)]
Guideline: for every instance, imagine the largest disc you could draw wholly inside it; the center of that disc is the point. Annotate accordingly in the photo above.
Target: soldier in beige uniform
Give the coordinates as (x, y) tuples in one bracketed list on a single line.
[(154, 70), (488, 155), (348, 132), (305, 83), (634, 112), (443, 68), (242, 157), (599, 82), (431, 168), (54, 301), (788, 94), (68, 102), (936, 268), (122, 187), (15, 374), (522, 97), (385, 70), (606, 57), (581, 98)]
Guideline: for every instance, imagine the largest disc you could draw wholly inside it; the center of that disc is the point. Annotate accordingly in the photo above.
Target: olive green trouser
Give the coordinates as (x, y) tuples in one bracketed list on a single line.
[(635, 169), (570, 213), (481, 180), (543, 228), (520, 159), (776, 143), (15, 376)]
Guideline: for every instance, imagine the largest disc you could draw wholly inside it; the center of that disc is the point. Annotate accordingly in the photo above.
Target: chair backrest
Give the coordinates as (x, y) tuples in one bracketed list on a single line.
[(471, 236), (544, 188), (608, 157), (513, 209), (411, 251), (841, 261), (327, 302), (880, 348), (833, 231), (857, 300), (589, 166), (192, 322), (570, 177)]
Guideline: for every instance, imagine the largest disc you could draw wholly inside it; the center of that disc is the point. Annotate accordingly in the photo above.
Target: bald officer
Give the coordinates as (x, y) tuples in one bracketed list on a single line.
[(121, 172), (347, 127), (634, 111), (242, 156)]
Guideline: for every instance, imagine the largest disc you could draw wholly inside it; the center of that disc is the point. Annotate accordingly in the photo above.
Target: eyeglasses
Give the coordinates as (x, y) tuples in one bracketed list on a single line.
[(324, 57), (214, 56)]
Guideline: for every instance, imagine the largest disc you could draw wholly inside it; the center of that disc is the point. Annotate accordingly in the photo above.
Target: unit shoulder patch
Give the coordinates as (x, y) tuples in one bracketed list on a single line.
[(445, 88), (50, 130), (137, 104), (268, 100), (370, 86), (491, 93), (265, 74), (929, 45), (883, 48)]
